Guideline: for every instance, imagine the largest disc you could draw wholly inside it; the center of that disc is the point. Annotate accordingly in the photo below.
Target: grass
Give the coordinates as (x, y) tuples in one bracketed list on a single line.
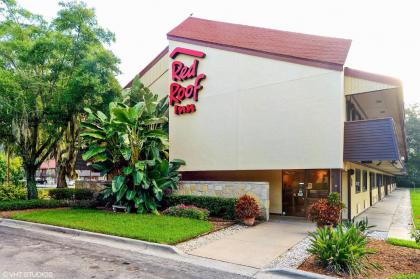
[(403, 243), (406, 276), (160, 229), (415, 204)]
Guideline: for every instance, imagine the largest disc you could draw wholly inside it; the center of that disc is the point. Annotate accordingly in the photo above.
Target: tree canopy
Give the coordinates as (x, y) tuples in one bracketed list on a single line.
[(50, 71)]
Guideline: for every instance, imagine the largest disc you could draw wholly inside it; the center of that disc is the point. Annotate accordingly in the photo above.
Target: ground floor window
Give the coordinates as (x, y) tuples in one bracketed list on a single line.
[(357, 181), (303, 187), (365, 181)]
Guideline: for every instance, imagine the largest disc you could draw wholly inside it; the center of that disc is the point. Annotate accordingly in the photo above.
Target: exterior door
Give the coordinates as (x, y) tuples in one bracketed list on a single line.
[(303, 187)]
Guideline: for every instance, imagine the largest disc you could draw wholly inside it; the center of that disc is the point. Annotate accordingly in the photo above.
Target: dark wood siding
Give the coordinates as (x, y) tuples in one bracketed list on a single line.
[(370, 140)]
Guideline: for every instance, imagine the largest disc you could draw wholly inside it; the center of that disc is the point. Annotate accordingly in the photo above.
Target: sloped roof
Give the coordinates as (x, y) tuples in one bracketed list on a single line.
[(372, 76), (321, 51)]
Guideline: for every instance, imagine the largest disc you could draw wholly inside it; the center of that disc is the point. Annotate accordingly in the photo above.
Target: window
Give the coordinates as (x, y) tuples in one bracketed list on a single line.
[(357, 181), (365, 180), (372, 180)]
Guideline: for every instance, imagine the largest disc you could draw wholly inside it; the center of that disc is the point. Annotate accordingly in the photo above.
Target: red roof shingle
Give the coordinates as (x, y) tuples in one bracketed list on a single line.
[(254, 40)]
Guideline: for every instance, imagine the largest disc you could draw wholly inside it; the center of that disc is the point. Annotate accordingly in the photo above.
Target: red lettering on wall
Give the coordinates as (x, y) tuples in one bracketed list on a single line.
[(189, 52), (177, 92), (181, 72), (184, 109)]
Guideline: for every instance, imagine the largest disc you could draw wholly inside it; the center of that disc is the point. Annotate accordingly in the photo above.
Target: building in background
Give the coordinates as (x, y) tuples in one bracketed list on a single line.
[(278, 115)]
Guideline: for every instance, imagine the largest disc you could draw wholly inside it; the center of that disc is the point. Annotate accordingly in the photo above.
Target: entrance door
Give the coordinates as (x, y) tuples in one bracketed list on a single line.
[(303, 187)]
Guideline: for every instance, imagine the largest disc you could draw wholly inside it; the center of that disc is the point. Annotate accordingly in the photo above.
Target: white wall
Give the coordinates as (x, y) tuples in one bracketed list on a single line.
[(157, 77), (257, 113)]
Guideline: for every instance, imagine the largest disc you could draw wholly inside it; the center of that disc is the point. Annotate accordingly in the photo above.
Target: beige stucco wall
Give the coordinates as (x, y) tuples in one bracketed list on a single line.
[(356, 85), (257, 113), (360, 201), (157, 77)]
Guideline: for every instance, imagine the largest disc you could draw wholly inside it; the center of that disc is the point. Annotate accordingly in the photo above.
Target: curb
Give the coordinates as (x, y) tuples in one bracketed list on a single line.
[(290, 273), (133, 242)]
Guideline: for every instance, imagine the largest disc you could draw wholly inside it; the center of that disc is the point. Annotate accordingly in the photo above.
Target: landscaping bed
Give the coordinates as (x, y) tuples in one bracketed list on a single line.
[(394, 260), (153, 228)]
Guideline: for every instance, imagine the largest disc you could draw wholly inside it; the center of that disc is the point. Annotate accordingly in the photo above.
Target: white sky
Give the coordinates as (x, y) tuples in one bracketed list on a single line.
[(385, 34)]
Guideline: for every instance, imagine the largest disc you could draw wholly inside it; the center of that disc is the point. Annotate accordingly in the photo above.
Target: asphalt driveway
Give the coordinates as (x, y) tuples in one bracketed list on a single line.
[(27, 254)]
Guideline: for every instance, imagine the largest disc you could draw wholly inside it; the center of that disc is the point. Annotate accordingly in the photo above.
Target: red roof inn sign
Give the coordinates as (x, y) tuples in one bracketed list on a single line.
[(181, 72)]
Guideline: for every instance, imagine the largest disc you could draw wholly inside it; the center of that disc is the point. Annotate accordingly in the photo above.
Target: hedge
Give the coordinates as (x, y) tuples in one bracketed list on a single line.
[(32, 204), (217, 206), (28, 204), (70, 194)]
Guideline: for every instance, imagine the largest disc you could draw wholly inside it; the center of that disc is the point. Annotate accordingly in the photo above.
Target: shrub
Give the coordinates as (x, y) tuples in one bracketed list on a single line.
[(70, 194), (326, 211), (217, 206), (83, 194), (246, 207), (341, 250), (28, 204), (61, 194), (12, 192), (362, 225), (416, 235), (187, 211)]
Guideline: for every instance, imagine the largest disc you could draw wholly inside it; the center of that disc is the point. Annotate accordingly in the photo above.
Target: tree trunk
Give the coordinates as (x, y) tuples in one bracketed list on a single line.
[(8, 165), (61, 177), (31, 182)]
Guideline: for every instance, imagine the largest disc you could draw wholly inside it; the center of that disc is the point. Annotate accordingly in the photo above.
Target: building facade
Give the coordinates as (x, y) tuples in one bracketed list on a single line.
[(250, 104)]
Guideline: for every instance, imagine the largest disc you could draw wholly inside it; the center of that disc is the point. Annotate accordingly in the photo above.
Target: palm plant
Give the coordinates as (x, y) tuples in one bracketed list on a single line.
[(131, 145)]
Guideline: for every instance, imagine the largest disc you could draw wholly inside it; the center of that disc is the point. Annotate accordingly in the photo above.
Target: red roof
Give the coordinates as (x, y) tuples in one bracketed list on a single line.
[(371, 76), (290, 46), (48, 164)]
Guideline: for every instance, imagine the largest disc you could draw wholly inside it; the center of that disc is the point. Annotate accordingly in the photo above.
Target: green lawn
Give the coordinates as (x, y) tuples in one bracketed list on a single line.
[(415, 204), (403, 243), (160, 229), (406, 276)]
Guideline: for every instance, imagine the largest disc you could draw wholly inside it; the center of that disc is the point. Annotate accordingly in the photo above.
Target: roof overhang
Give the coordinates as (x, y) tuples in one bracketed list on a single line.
[(378, 96), (374, 143)]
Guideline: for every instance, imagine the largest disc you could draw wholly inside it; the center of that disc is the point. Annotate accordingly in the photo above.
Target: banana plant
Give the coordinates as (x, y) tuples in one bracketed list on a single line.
[(131, 146)]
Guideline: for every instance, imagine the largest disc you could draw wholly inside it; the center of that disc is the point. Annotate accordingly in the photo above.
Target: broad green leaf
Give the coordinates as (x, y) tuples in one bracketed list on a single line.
[(158, 193), (178, 162), (102, 116), (137, 177), (126, 153), (121, 115), (130, 195), (140, 165), (96, 135), (117, 182), (93, 151), (127, 170), (100, 158), (121, 192)]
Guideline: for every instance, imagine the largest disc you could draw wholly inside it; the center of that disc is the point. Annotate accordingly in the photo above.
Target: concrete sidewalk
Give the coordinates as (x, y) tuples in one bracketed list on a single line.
[(258, 246), (393, 214)]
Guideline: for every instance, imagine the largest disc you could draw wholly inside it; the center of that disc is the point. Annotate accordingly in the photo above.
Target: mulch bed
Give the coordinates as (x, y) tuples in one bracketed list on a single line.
[(393, 260), (219, 223)]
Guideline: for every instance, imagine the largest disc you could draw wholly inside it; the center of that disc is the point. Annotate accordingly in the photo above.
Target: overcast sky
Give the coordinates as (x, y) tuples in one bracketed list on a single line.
[(385, 34)]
